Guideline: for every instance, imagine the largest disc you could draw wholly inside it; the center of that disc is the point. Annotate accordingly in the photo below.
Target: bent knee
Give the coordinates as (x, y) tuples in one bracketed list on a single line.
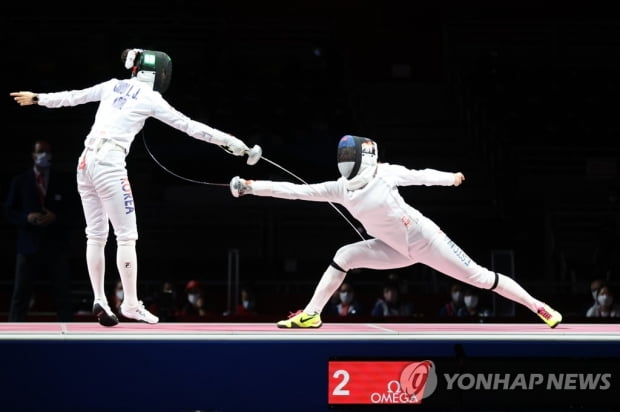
[(344, 257)]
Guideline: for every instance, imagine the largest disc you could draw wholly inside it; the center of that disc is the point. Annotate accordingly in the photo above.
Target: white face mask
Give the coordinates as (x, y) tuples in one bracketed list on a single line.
[(246, 304), (192, 298), (605, 300), (457, 296), (43, 159), (119, 294), (346, 297), (471, 301), (595, 294)]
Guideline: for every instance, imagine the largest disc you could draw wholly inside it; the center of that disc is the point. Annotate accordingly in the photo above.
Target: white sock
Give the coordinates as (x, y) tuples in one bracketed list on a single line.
[(95, 262), (329, 283), (510, 289), (127, 264)]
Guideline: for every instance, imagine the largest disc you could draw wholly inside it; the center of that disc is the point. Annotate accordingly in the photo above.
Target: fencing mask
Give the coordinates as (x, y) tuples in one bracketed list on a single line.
[(150, 66), (355, 154)]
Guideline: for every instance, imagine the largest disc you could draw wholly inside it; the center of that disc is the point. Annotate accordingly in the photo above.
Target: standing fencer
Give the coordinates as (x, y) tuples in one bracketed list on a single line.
[(402, 235), (124, 106)]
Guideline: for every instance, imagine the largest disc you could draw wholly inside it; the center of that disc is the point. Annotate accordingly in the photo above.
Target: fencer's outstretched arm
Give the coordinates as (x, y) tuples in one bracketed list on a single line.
[(170, 116), (161, 111), (331, 191), (327, 191)]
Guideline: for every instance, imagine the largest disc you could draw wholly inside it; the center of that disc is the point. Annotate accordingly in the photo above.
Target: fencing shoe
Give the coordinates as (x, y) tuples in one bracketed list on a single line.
[(138, 313), (551, 317), (301, 319), (104, 314), (240, 187)]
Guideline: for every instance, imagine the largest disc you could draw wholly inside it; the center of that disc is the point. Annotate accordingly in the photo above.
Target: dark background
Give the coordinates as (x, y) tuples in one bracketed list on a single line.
[(520, 96)]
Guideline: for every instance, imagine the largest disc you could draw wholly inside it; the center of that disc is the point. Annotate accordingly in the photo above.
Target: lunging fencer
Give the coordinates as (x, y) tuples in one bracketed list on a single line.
[(103, 184), (402, 235)]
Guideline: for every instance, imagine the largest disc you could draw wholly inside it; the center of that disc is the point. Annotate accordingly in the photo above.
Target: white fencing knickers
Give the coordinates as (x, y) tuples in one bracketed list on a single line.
[(106, 193)]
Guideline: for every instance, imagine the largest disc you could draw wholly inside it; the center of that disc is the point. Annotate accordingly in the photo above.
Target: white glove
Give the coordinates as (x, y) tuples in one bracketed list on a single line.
[(236, 147), (240, 187)]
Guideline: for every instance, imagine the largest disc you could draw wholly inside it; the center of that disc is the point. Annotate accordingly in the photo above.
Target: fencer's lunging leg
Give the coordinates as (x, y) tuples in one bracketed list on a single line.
[(327, 286), (510, 289), (371, 253), (445, 256)]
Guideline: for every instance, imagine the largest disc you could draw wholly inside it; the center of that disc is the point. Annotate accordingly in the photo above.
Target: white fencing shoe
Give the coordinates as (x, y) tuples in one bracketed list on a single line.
[(138, 313)]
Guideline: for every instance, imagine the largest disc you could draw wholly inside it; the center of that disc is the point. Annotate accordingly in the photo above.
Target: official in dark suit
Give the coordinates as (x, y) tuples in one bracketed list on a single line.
[(41, 203)]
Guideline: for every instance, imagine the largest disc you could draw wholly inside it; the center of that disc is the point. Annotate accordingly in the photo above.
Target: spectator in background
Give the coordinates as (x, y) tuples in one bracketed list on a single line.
[(595, 285), (605, 306), (455, 304), (390, 302), (471, 305), (165, 305), (196, 304), (247, 302), (42, 203), (347, 304)]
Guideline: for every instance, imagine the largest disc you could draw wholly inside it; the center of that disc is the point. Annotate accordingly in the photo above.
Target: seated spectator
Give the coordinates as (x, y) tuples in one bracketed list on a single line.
[(247, 302), (196, 304), (347, 304), (165, 304), (390, 303), (605, 306), (595, 285), (455, 304), (471, 305)]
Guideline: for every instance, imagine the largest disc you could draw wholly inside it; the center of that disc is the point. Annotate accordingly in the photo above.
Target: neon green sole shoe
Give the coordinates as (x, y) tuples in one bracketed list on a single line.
[(549, 316), (300, 319)]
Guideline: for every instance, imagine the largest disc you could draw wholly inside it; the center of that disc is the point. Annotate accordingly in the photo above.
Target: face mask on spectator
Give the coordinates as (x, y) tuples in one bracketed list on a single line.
[(605, 300), (43, 159), (346, 297), (192, 298), (471, 301)]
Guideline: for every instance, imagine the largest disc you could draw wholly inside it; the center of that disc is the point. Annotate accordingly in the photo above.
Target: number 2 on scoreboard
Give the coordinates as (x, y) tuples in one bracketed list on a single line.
[(339, 389)]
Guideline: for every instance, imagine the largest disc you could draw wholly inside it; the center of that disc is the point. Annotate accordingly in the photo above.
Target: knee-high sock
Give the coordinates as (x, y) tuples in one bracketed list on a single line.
[(329, 283), (510, 289), (127, 263), (95, 262)]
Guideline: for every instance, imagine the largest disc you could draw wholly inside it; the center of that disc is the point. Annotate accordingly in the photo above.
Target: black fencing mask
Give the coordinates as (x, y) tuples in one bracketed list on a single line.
[(150, 66)]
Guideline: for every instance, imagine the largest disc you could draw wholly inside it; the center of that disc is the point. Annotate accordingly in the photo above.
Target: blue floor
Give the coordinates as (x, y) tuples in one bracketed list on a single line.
[(229, 375)]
